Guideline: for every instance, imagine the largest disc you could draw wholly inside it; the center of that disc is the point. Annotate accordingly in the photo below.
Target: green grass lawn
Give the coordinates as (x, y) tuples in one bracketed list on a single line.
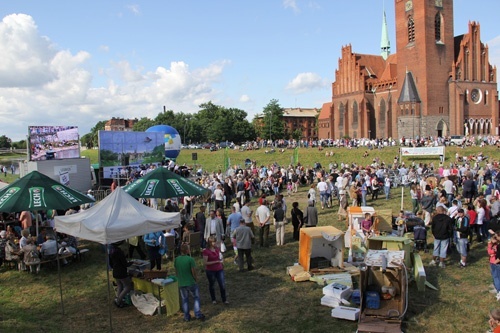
[(264, 300)]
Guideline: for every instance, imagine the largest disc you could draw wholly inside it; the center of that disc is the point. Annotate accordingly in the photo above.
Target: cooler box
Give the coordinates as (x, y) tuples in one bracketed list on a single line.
[(326, 242), (337, 290), (372, 300), (356, 297)]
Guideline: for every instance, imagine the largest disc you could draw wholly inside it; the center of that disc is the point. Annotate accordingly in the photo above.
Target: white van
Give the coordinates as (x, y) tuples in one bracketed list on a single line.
[(457, 140)]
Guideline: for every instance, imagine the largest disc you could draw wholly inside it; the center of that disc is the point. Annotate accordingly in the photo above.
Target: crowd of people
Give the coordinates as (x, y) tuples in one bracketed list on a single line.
[(459, 203), (21, 245)]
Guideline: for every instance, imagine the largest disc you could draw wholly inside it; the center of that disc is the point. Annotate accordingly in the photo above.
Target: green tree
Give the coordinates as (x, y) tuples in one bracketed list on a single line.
[(5, 142), (94, 133), (143, 124), (297, 134), (165, 118), (272, 125), (224, 124), (19, 144)]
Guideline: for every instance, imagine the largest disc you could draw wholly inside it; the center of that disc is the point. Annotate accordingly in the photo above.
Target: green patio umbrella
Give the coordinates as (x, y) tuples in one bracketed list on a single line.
[(36, 191), (163, 184)]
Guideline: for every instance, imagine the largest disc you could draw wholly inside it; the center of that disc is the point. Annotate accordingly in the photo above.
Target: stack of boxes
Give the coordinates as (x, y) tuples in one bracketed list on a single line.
[(335, 296)]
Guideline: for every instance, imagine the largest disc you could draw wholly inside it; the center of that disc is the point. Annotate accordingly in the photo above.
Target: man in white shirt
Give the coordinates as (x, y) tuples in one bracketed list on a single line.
[(246, 213), (322, 188), (449, 187), (219, 197), (263, 215)]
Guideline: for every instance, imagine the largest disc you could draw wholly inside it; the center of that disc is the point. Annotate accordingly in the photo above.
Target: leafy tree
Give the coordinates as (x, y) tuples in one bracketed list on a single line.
[(19, 144), (165, 118), (5, 142), (143, 124), (272, 124), (94, 133), (297, 134)]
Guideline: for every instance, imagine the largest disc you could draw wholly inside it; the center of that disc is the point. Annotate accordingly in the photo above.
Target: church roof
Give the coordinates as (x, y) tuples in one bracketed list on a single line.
[(325, 111), (373, 64), (390, 71), (409, 92)]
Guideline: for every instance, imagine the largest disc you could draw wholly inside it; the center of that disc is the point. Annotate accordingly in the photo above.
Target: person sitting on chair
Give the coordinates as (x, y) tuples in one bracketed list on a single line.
[(49, 248)]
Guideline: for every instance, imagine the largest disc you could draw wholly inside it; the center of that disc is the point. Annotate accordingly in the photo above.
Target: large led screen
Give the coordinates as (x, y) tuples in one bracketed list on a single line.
[(120, 151), (53, 142)]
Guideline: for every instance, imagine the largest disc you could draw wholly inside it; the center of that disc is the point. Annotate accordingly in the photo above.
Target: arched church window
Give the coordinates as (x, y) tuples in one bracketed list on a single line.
[(411, 30), (382, 112), (438, 27), (355, 113), (341, 115)]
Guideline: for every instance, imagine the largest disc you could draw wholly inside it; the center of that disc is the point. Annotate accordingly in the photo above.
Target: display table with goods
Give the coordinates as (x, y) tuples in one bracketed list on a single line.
[(165, 289)]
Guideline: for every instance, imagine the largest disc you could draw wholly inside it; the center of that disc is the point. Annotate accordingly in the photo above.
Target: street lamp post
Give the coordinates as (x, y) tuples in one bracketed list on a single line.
[(185, 123)]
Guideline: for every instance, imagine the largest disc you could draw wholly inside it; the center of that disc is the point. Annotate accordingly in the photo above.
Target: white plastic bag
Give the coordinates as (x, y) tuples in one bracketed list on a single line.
[(222, 247)]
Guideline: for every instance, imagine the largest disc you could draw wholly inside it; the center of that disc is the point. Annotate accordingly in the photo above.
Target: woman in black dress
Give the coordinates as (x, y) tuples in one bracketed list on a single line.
[(297, 220)]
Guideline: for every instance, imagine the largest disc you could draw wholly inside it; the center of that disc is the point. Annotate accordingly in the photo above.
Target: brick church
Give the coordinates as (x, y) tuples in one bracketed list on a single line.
[(436, 84)]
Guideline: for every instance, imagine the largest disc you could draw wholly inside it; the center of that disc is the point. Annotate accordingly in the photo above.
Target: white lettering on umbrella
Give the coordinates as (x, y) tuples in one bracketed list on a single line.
[(176, 186), (5, 198), (150, 187), (65, 193), (36, 196)]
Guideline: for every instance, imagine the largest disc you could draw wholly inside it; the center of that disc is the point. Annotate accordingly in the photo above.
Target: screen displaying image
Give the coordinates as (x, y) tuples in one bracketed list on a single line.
[(119, 151), (53, 142)]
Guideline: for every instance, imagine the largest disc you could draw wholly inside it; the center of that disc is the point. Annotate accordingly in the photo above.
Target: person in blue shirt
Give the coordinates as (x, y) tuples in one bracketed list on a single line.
[(155, 242)]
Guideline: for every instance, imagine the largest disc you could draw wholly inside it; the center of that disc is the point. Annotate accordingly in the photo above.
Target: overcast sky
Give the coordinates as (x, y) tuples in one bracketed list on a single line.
[(78, 62)]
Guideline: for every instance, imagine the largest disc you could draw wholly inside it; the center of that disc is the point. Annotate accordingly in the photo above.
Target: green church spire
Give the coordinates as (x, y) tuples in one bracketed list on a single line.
[(385, 44)]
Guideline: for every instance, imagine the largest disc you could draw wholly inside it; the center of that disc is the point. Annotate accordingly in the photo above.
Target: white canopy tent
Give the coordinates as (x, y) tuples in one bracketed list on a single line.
[(118, 217)]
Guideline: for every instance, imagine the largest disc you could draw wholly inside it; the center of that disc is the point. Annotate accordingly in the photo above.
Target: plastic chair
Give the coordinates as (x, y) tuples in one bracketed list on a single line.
[(194, 242), (170, 247)]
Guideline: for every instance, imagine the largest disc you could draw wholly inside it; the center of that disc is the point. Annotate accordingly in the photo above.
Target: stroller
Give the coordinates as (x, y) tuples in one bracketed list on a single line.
[(420, 238)]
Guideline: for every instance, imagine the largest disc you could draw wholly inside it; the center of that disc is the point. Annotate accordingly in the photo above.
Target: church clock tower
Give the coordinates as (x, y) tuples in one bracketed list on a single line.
[(425, 47)]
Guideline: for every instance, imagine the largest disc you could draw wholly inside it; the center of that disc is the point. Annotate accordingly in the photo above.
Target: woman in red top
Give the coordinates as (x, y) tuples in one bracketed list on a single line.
[(471, 212), (212, 259), (494, 263)]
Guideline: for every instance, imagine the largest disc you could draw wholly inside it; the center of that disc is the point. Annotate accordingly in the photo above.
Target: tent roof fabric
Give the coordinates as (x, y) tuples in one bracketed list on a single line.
[(118, 217)]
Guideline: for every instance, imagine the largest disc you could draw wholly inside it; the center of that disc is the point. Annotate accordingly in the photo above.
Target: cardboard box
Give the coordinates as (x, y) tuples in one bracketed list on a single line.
[(344, 312), (327, 242), (392, 243)]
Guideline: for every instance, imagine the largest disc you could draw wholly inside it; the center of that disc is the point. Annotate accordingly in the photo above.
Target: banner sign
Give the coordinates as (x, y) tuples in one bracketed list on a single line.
[(422, 151)]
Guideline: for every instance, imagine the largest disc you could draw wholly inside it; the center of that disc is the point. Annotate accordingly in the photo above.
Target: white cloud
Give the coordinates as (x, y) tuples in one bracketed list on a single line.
[(305, 82), (43, 85), (134, 9), (244, 98), (291, 4)]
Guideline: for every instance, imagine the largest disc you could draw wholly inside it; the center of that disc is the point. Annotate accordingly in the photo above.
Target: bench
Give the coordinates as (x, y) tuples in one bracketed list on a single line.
[(82, 253), (49, 261)]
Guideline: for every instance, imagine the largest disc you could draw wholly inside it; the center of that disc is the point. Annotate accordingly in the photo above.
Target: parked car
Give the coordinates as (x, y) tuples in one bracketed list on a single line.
[(456, 140)]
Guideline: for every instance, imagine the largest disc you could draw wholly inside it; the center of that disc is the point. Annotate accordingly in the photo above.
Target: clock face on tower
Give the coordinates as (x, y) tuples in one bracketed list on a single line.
[(439, 3), (476, 95), (409, 5)]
